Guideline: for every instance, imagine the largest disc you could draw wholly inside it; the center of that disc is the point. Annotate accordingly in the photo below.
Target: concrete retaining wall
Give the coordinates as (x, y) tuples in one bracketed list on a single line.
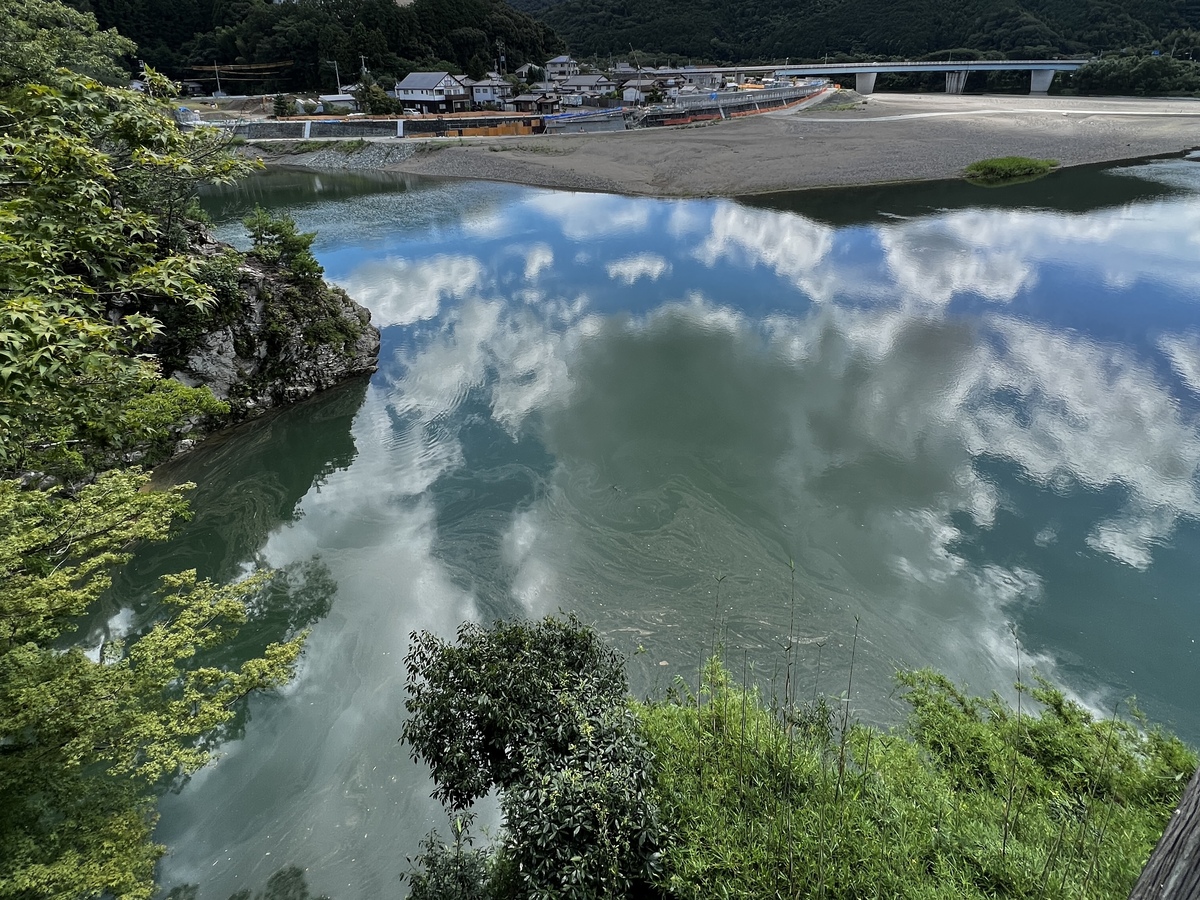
[(277, 130), (343, 129)]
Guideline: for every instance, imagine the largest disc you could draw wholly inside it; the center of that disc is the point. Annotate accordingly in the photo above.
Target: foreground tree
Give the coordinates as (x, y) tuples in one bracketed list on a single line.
[(94, 186), (85, 739), (43, 35), (538, 711)]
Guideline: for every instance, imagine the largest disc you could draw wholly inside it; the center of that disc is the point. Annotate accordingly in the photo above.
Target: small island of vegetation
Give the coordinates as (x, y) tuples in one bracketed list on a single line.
[(1008, 169)]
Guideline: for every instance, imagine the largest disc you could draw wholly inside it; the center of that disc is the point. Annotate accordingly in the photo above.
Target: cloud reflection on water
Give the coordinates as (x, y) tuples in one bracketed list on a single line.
[(895, 417), (401, 292), (903, 387)]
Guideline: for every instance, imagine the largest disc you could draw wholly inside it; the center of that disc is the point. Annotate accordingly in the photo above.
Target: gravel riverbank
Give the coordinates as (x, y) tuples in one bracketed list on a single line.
[(890, 137)]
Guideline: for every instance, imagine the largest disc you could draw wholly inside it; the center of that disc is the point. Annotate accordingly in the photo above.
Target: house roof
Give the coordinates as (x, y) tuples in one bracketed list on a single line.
[(422, 80), (585, 81), (560, 60), (536, 98), (490, 82)]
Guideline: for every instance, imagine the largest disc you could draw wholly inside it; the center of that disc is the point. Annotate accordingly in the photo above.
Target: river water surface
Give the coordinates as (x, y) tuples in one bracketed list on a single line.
[(969, 417)]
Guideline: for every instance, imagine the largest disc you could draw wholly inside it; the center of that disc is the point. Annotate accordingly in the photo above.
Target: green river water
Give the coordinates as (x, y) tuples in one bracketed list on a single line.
[(969, 416)]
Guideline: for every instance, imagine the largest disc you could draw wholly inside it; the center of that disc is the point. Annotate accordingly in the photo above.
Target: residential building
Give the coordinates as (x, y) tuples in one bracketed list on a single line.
[(636, 90), (544, 104), (587, 84), (704, 81), (433, 92), (491, 90), (562, 67)]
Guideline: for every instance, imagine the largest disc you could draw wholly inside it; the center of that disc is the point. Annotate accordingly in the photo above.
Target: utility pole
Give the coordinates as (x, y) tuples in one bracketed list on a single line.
[(362, 59), (217, 71)]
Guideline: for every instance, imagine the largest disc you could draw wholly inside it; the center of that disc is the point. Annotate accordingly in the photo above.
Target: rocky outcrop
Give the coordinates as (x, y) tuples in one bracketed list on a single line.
[(273, 339)]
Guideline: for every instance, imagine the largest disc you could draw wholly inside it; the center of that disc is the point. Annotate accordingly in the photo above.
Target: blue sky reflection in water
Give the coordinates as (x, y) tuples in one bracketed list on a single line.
[(957, 412)]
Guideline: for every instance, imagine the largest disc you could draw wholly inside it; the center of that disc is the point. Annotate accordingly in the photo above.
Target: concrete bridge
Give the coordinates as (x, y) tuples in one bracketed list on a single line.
[(1041, 71)]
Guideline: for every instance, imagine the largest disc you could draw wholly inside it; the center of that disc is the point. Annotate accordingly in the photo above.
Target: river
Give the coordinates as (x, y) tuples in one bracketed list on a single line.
[(969, 417)]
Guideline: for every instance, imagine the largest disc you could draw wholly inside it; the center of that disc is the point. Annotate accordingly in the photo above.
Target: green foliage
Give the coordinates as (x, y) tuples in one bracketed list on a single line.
[(1143, 74), (975, 800), (277, 242), (538, 711), (85, 740), (43, 35), (394, 38), (1008, 168), (374, 101), (95, 184), (281, 107), (455, 871), (721, 31)]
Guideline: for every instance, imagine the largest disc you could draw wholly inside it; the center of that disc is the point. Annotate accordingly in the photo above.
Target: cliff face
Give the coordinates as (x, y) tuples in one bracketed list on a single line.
[(272, 339)]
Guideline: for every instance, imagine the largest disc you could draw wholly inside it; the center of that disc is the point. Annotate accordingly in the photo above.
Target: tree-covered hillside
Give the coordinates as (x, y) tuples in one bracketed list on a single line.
[(392, 40), (735, 30)]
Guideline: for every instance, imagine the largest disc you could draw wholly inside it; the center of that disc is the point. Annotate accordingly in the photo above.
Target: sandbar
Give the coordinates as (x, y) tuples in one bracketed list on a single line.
[(849, 140)]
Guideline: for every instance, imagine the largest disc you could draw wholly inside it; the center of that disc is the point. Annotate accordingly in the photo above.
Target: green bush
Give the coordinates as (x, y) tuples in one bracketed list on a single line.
[(1008, 168), (276, 240), (973, 800), (539, 711), (756, 799), (452, 871)]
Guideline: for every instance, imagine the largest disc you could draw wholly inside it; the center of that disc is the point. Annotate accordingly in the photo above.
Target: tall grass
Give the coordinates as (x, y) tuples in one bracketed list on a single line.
[(972, 799)]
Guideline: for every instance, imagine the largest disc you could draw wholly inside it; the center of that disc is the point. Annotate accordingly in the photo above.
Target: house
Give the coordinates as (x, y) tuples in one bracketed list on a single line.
[(433, 92), (636, 90), (562, 67), (333, 103), (544, 104), (587, 84), (703, 81), (491, 90)]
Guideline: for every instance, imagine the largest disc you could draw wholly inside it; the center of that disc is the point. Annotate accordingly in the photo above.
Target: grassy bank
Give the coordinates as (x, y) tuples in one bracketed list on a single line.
[(750, 797), (972, 799)]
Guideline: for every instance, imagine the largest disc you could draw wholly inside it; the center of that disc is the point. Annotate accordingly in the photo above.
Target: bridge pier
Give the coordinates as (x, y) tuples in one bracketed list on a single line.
[(1039, 80), (956, 82), (864, 82)]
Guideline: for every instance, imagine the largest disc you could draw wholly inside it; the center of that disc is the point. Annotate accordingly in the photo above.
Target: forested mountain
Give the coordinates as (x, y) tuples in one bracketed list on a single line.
[(466, 35), (738, 30)]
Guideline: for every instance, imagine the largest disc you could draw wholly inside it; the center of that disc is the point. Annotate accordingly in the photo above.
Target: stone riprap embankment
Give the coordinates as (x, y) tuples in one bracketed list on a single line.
[(334, 154)]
